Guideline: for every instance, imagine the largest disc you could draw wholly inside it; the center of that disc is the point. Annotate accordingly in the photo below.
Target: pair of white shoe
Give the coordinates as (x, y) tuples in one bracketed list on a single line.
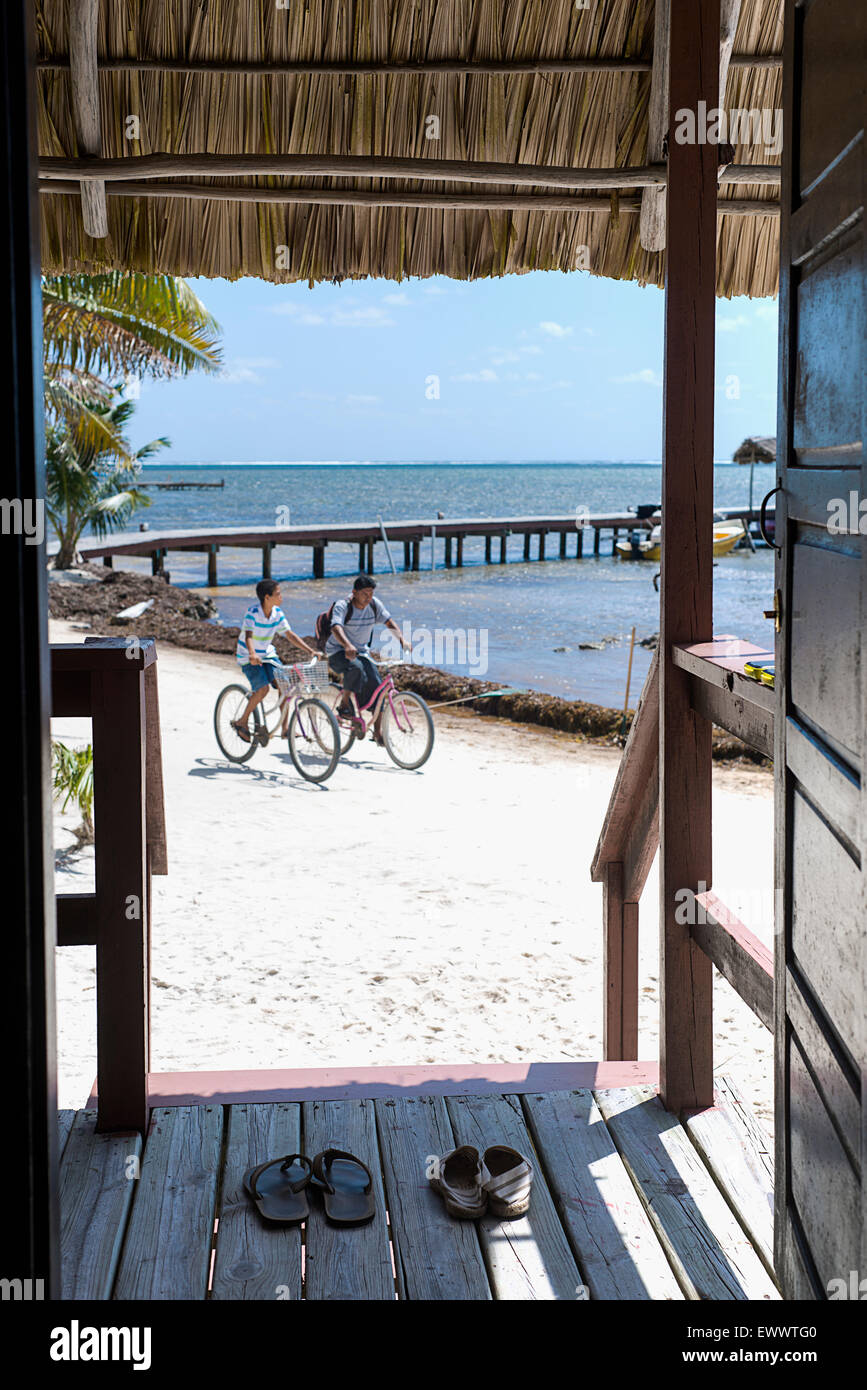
[(498, 1182)]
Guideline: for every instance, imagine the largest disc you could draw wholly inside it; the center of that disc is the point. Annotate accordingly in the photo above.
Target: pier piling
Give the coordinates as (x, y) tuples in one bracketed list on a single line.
[(212, 566)]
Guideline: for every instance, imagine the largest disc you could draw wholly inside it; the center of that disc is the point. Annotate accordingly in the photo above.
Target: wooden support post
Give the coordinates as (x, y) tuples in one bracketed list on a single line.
[(407, 562), (563, 535), (615, 533), (361, 550), (416, 549), (542, 535), (319, 561), (597, 536), (686, 997), (266, 560), (370, 545), (487, 550), (503, 548), (212, 567), (652, 224), (122, 896), (620, 966), (157, 561), (527, 545), (448, 552), (108, 561), (580, 548), (84, 92), (459, 559)]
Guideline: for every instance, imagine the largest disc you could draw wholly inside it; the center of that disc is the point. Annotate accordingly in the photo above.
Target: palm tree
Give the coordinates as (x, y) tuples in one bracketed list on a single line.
[(98, 328), (87, 485)]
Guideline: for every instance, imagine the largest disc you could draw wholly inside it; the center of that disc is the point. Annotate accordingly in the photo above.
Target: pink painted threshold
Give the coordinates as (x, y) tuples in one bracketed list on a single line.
[(348, 1083)]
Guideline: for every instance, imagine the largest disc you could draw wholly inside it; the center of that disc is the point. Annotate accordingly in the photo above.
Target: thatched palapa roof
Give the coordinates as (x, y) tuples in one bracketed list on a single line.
[(756, 449), (564, 90)]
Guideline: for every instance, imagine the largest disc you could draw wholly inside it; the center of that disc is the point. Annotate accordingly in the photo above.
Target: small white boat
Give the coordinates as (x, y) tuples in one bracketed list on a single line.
[(726, 535)]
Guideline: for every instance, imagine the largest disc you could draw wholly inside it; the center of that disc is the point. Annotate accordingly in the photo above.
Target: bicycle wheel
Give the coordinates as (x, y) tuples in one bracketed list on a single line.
[(230, 705), (407, 729), (314, 740)]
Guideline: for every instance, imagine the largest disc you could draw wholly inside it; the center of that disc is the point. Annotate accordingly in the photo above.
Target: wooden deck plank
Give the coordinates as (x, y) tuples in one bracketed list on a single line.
[(65, 1119), (167, 1253), (736, 1151), (607, 1225), (528, 1258), (354, 1262), (97, 1183), (705, 1244), (255, 1260), (436, 1257)]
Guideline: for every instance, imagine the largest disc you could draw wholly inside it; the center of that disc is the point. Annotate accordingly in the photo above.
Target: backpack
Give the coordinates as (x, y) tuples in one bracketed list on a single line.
[(323, 625)]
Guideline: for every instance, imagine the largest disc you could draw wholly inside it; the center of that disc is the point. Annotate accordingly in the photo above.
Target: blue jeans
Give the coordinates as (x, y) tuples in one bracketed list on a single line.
[(361, 675)]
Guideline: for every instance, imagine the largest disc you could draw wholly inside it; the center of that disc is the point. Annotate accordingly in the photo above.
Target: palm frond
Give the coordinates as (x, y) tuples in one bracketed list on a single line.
[(128, 324)]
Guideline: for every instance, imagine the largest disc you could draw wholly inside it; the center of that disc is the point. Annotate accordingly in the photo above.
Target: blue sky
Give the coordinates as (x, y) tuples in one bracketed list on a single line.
[(540, 366)]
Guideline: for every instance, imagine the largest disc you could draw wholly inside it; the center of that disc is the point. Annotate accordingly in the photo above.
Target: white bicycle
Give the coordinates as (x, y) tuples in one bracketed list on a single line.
[(293, 709)]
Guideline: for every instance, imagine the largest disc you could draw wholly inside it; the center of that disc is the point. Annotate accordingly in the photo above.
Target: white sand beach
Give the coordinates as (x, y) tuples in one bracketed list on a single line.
[(390, 917)]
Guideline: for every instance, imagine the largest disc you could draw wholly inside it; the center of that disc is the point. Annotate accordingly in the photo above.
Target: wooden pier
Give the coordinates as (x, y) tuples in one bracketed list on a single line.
[(569, 540), (182, 486)]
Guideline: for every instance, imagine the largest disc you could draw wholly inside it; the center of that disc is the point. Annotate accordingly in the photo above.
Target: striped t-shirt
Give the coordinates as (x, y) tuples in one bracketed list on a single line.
[(263, 630)]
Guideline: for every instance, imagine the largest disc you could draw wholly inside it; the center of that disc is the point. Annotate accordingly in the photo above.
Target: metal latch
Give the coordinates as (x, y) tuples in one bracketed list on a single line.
[(777, 611)]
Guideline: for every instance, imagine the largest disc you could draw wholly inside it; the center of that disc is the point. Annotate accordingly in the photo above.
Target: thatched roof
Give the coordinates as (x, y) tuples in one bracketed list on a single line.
[(569, 119), (756, 449)]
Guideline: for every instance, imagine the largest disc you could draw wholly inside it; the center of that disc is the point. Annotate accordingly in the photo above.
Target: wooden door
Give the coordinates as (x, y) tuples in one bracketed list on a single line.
[(821, 656)]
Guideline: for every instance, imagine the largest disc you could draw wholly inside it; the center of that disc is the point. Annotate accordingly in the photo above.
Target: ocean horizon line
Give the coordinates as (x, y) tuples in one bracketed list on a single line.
[(426, 463)]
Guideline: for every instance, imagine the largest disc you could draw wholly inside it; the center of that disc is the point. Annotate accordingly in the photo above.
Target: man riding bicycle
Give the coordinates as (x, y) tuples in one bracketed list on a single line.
[(348, 647)]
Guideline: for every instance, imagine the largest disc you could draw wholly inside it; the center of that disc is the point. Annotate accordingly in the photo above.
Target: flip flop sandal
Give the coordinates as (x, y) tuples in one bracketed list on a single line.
[(346, 1186), (278, 1195), (241, 730)]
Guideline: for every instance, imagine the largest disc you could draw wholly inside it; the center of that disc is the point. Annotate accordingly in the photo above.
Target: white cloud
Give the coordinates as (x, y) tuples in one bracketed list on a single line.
[(242, 369), (486, 374), (362, 400), (338, 316), (767, 311), (400, 299), (554, 330), (647, 376), (532, 376), (732, 325), (433, 289)]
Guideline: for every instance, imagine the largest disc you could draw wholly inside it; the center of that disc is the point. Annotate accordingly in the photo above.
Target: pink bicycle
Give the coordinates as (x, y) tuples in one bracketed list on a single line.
[(407, 725)]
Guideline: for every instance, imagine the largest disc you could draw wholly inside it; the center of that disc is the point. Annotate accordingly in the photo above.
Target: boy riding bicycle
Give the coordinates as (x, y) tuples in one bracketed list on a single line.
[(255, 650)]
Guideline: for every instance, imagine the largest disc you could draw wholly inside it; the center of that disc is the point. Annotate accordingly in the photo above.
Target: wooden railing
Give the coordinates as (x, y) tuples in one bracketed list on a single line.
[(113, 681), (720, 692)]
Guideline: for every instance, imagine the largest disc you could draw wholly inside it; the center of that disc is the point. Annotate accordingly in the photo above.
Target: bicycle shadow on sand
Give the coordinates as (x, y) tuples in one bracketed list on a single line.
[(218, 767)]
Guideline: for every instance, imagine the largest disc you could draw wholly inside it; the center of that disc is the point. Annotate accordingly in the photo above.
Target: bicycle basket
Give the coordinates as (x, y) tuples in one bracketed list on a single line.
[(297, 678)]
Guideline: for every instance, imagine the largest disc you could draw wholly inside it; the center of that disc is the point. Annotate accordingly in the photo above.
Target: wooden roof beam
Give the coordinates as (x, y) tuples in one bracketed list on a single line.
[(84, 78), (652, 231), (358, 197), (456, 67), (207, 166), (653, 202)]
